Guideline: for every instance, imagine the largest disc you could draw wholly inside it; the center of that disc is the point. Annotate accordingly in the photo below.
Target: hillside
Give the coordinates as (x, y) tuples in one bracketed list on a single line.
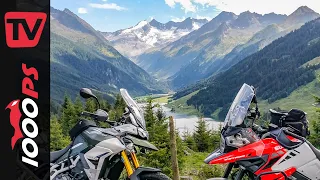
[(81, 57), (277, 26), (276, 71)]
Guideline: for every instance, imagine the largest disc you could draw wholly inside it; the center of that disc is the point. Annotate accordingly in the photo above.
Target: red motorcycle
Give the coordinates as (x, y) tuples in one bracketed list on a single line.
[(280, 152)]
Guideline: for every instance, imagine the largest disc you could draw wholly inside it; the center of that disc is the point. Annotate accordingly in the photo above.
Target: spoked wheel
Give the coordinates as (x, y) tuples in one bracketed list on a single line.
[(154, 176)]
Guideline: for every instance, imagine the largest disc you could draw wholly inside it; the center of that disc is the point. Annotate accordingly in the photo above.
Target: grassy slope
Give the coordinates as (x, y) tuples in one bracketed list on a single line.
[(181, 106), (301, 98), (197, 169)]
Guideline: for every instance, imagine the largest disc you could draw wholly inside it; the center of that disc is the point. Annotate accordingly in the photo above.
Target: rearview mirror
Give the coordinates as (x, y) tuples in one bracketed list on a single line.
[(86, 93)]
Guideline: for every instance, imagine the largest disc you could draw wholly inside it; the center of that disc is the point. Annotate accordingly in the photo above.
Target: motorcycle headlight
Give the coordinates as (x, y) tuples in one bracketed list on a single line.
[(237, 141)]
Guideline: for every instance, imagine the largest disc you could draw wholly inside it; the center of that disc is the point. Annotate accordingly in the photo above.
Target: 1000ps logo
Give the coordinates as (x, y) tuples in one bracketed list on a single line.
[(29, 114), (23, 30)]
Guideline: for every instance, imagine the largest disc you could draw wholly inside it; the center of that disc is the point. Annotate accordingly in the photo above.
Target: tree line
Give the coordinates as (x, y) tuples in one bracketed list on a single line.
[(202, 140)]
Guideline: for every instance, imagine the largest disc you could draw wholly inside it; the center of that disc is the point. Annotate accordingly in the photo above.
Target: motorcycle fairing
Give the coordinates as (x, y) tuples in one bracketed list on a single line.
[(142, 143), (256, 149)]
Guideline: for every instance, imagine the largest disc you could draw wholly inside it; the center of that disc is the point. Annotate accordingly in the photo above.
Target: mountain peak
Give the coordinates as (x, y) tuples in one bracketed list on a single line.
[(225, 16), (302, 15), (154, 21), (302, 10), (66, 10)]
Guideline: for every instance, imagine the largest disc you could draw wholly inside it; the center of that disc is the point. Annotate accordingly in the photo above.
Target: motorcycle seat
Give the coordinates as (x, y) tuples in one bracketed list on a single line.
[(285, 141), (314, 149), (57, 154)]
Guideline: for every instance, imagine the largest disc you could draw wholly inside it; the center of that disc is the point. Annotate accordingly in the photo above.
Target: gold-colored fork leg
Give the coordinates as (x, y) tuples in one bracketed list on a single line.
[(126, 163), (135, 160)]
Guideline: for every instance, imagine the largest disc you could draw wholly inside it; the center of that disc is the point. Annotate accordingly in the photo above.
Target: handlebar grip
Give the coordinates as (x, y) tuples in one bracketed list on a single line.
[(85, 113)]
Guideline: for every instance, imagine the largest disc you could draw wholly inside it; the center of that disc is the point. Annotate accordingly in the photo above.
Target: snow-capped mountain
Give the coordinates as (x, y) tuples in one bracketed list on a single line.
[(145, 35)]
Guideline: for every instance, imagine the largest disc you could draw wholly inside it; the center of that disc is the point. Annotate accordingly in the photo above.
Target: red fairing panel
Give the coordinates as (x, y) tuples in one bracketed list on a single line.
[(279, 176), (259, 148)]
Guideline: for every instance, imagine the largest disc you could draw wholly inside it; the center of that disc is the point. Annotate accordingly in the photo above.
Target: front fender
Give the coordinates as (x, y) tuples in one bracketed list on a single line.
[(138, 171)]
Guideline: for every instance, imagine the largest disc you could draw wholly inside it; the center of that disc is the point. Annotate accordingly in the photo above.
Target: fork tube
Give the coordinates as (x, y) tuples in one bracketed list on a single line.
[(228, 170), (126, 163), (135, 160)]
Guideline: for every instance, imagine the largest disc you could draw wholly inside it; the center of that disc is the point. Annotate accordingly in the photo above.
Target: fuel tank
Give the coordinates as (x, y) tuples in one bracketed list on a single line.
[(103, 140)]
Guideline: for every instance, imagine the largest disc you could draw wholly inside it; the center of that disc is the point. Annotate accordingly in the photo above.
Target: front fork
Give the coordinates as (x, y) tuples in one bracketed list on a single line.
[(127, 163)]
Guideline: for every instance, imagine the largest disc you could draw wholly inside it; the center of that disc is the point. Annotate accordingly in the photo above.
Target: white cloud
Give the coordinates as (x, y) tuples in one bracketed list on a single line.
[(176, 19), (104, 0), (186, 5), (238, 6), (204, 17), (170, 3), (107, 6), (82, 10)]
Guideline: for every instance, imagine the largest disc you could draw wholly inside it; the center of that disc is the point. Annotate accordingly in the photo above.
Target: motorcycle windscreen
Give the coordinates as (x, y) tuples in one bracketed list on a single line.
[(134, 108), (239, 107)]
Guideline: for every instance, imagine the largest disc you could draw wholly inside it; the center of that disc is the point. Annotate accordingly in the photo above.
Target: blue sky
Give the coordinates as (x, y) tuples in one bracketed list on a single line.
[(112, 15)]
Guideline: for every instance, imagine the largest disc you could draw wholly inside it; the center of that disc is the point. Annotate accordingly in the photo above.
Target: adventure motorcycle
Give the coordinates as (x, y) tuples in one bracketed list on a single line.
[(251, 152), (101, 153)]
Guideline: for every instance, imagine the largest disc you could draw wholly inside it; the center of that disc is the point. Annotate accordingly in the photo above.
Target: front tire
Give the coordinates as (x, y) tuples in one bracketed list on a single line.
[(154, 176)]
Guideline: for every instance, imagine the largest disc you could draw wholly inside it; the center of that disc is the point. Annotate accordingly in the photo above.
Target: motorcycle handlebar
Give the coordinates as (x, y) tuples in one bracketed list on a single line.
[(98, 118)]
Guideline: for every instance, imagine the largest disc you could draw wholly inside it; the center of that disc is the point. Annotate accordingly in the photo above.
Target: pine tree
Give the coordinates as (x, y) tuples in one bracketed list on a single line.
[(118, 109), (78, 106), (69, 116), (148, 115), (91, 105), (157, 126), (57, 139), (189, 141), (105, 105), (315, 124), (119, 102), (202, 136)]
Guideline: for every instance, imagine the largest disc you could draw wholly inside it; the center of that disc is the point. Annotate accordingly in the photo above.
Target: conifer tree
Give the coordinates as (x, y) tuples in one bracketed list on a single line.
[(57, 139), (315, 125), (68, 117), (202, 136)]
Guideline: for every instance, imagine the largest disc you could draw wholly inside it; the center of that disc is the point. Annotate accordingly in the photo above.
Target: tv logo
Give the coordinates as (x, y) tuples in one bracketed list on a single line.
[(23, 29)]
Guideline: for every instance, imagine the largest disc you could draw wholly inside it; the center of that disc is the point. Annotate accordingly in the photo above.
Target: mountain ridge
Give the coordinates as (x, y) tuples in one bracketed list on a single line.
[(81, 57), (146, 35), (260, 38)]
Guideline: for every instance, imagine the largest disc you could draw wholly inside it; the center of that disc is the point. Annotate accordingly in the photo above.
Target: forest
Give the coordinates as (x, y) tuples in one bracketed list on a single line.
[(275, 72)]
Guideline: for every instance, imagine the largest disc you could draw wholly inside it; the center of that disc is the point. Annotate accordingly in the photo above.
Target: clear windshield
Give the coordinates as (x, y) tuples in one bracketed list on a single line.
[(134, 108), (239, 106)]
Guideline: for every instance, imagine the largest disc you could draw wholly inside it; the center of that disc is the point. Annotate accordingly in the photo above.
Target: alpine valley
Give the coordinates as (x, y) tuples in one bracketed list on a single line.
[(219, 44), (205, 62), (81, 57)]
